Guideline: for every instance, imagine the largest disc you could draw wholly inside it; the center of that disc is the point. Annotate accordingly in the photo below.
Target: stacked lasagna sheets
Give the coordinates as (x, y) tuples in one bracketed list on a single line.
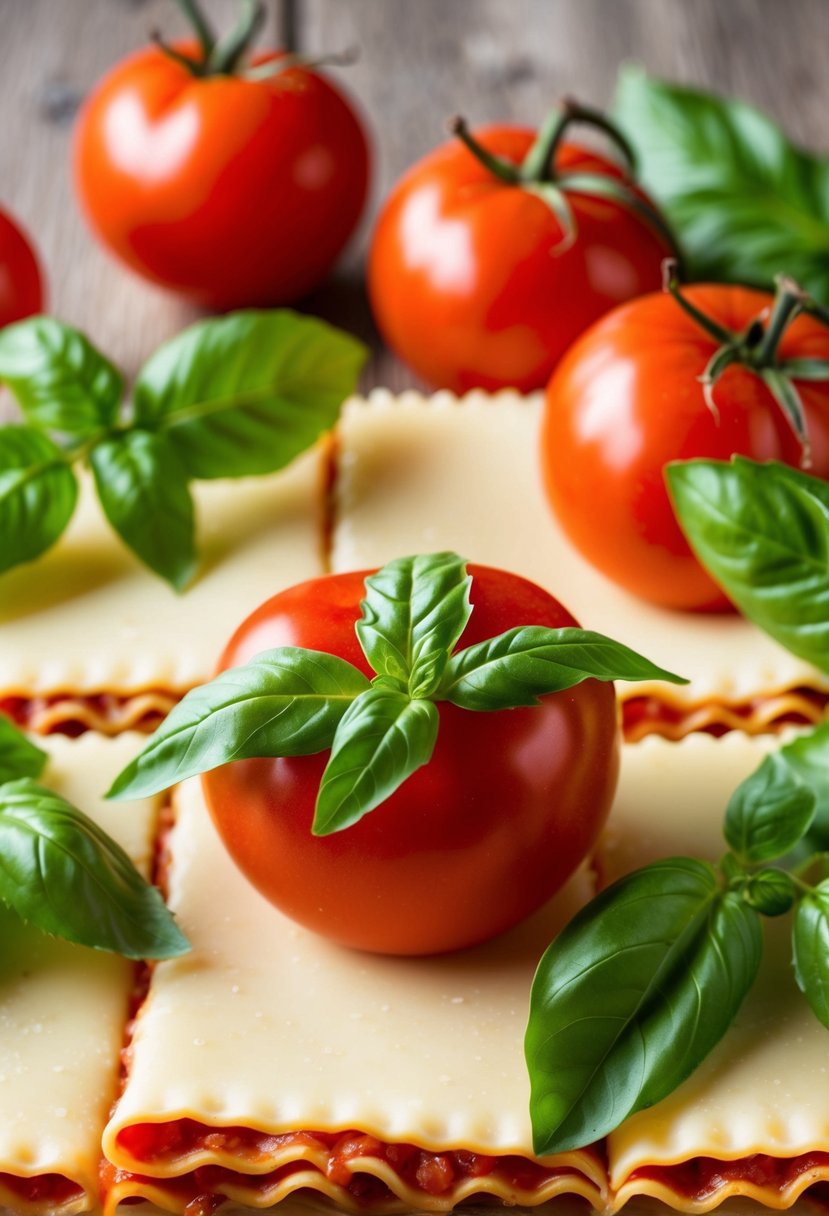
[(268, 1064)]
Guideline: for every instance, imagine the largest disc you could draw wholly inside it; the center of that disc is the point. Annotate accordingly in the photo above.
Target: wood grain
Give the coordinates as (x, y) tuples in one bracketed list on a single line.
[(420, 62)]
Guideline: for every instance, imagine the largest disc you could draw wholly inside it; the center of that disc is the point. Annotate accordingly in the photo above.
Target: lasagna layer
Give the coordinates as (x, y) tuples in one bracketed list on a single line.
[(88, 620), (256, 1057), (753, 1120), (423, 474), (62, 1014), (104, 713)]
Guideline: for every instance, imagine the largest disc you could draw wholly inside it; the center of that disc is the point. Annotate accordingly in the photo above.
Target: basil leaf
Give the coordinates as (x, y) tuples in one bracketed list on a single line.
[(246, 393), (762, 530), (144, 494), (810, 940), (517, 667), (632, 996), (61, 872), (60, 380), (285, 702), (769, 812), (381, 740), (415, 610), (38, 493), (745, 202), (18, 755), (808, 758), (771, 892)]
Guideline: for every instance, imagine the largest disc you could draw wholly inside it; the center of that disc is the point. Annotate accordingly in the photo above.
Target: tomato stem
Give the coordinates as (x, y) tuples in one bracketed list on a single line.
[(193, 66), (226, 54), (203, 30), (497, 165), (670, 284), (788, 302), (280, 63), (539, 163)]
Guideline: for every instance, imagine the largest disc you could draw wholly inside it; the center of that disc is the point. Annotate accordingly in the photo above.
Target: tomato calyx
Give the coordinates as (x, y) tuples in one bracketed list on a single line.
[(756, 348), (219, 56), (291, 701), (539, 175)]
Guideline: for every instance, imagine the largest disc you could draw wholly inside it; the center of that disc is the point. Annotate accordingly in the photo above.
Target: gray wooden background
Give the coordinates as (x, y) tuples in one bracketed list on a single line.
[(420, 61)]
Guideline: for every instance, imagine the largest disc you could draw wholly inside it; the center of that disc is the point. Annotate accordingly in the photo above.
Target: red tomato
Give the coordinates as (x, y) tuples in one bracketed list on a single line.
[(231, 191), (471, 843), (627, 399), (21, 284), (471, 281)]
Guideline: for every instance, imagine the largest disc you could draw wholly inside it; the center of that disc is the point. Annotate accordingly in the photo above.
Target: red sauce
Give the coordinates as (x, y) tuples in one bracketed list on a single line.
[(643, 715), (74, 714), (52, 1190), (428, 1172), (703, 1177)]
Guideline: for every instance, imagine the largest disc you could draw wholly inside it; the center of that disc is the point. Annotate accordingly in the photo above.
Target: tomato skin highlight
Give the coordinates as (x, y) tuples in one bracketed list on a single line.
[(469, 281), (230, 191), (627, 399), (473, 842), (21, 281)]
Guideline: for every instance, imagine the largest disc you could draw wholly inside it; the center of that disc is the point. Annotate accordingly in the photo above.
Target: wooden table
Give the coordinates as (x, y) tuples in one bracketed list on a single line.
[(420, 61)]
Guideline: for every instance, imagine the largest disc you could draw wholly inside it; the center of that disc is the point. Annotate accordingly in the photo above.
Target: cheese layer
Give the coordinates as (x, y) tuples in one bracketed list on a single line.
[(88, 617), (63, 1007), (422, 474), (765, 1089), (267, 1026)]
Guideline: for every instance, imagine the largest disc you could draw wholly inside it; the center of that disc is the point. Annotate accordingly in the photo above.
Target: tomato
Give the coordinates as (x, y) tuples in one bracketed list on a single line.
[(471, 278), (21, 283), (474, 841), (231, 190), (628, 398)]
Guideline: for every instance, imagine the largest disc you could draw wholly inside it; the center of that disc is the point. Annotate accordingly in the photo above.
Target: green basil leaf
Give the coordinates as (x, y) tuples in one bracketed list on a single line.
[(38, 493), (771, 892), (745, 202), (61, 872), (632, 996), (381, 740), (144, 493), (769, 812), (60, 380), (18, 755), (808, 758), (762, 530), (810, 940), (246, 393), (284, 702), (415, 610), (517, 667)]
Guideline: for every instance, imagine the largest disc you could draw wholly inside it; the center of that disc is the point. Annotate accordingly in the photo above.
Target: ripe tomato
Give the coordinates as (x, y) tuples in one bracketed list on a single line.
[(509, 804), (232, 191), (21, 284), (628, 398), (471, 279)]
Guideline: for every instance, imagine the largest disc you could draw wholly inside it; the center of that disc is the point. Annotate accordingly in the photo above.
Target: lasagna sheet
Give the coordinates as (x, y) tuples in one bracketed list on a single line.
[(63, 1010)]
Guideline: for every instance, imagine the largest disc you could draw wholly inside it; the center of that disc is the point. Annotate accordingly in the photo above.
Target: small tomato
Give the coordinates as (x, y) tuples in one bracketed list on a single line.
[(21, 283), (497, 250), (235, 183), (708, 372), (472, 842)]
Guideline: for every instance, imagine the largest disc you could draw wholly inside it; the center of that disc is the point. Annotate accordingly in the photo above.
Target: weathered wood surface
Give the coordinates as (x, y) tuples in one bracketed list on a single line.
[(420, 61)]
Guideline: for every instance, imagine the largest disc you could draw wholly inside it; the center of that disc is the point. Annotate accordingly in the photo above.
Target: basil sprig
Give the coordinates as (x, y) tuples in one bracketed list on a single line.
[(289, 701), (745, 203), (762, 530), (235, 396), (60, 872), (645, 981)]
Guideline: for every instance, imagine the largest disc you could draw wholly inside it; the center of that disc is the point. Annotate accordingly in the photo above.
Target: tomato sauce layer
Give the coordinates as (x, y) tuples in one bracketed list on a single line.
[(649, 715), (45, 1192), (336, 1155), (700, 1179), (67, 713)]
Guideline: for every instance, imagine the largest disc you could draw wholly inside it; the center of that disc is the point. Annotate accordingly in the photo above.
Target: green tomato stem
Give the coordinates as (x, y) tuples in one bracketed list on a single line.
[(193, 12), (539, 163), (193, 66), (497, 165), (228, 52)]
